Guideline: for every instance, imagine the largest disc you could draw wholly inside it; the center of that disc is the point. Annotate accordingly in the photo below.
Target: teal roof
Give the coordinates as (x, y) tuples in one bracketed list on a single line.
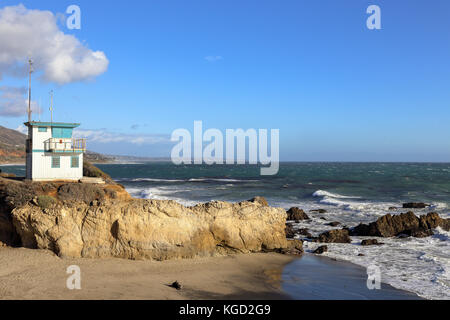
[(51, 124)]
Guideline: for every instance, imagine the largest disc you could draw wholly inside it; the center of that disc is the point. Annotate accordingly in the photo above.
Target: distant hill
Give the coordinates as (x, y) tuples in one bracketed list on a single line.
[(12, 148)]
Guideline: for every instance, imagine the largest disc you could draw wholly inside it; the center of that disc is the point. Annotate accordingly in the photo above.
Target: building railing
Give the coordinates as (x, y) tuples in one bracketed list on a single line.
[(65, 145)]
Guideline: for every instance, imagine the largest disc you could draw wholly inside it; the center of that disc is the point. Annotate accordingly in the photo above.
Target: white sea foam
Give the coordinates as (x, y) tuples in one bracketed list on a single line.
[(353, 203), (160, 193), (420, 265)]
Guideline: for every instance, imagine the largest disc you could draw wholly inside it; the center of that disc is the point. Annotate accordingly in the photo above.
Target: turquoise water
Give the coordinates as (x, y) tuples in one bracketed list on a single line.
[(371, 182), (377, 182)]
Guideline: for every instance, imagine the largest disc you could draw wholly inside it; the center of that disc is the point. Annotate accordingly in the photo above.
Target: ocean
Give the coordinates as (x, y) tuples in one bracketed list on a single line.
[(350, 192)]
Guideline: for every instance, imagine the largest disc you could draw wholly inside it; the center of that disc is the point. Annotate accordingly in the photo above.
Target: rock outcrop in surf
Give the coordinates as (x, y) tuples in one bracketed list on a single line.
[(403, 224)]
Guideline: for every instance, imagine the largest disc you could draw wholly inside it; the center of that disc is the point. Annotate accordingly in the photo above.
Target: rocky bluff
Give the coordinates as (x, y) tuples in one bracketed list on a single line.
[(85, 220)]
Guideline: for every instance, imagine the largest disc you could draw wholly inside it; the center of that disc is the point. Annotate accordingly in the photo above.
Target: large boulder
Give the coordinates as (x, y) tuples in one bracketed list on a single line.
[(402, 224), (294, 247), (432, 221), (150, 229), (296, 214), (335, 236)]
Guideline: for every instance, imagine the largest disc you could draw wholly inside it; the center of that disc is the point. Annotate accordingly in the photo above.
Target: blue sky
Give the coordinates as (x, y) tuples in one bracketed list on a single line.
[(336, 90)]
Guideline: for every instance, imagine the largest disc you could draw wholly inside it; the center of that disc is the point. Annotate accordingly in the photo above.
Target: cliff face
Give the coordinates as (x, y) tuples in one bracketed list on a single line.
[(105, 222), (150, 229)]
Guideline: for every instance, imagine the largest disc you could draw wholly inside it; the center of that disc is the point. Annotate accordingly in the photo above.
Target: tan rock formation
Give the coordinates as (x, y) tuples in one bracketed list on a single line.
[(150, 229)]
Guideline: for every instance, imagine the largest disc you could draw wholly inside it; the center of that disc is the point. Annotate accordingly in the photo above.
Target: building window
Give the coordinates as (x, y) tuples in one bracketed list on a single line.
[(75, 162), (42, 129), (61, 133), (56, 162)]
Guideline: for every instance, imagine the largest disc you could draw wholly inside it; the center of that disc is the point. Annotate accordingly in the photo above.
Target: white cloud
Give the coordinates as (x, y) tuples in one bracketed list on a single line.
[(104, 136), (14, 102), (213, 58), (22, 129), (62, 58)]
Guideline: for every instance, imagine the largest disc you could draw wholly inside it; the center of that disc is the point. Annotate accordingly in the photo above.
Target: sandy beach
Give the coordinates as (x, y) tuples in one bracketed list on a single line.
[(39, 274)]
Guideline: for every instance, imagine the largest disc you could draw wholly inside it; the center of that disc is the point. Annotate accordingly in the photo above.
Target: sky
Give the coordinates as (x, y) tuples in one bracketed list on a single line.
[(138, 70)]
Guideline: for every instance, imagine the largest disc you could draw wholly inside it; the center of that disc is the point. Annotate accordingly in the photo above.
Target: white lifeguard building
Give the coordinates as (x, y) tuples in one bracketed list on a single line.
[(53, 153)]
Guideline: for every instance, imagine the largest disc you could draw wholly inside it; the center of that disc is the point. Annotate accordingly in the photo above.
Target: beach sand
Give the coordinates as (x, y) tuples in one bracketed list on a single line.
[(39, 274)]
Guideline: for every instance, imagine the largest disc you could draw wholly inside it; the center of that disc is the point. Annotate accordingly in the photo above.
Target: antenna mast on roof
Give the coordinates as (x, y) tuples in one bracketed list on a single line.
[(51, 106), (29, 89)]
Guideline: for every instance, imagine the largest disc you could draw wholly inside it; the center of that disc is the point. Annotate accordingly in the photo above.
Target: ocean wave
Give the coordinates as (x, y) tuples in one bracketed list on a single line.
[(353, 203), (156, 180), (160, 193), (322, 193), (219, 180)]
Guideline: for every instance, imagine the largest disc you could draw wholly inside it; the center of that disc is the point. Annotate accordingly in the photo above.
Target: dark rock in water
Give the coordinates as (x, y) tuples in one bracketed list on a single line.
[(290, 233), (296, 214), (323, 218), (335, 236), (319, 211), (176, 285), (371, 242), (406, 223), (420, 233), (334, 224), (432, 220), (294, 247), (260, 200), (415, 205), (304, 232), (361, 255), (321, 250), (392, 208)]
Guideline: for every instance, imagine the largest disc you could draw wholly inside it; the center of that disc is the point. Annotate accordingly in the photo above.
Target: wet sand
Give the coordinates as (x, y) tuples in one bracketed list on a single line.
[(320, 278)]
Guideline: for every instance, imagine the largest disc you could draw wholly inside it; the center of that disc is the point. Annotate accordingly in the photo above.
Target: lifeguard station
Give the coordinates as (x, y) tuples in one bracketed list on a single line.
[(53, 153)]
